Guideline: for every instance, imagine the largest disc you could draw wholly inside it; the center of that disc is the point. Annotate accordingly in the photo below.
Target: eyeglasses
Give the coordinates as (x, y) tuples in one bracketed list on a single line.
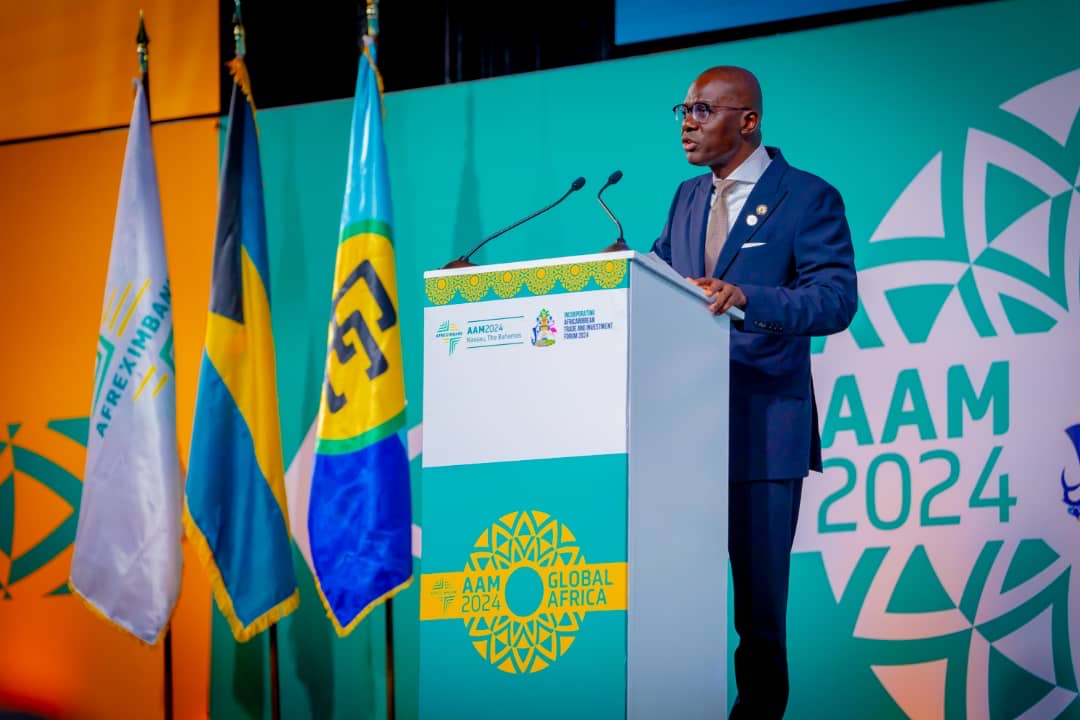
[(700, 111)]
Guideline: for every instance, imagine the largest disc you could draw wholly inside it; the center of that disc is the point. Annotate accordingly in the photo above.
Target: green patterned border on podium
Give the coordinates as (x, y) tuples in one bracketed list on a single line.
[(527, 282)]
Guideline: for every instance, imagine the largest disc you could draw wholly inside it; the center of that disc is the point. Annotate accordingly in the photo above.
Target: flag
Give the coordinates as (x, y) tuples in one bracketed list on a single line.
[(359, 513), (127, 564), (235, 512)]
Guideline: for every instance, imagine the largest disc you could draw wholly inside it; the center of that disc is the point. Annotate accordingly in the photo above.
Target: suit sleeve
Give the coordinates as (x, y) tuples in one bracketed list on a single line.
[(823, 298), (662, 246)]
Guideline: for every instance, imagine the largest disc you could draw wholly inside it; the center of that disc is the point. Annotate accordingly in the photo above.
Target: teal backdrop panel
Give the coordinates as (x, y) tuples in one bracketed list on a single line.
[(872, 107)]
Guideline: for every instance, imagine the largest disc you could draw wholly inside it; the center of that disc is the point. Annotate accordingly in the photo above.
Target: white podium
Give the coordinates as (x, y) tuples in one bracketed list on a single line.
[(574, 493)]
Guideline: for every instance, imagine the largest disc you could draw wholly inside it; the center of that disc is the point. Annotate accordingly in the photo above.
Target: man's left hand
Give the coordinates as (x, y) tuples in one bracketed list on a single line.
[(724, 295)]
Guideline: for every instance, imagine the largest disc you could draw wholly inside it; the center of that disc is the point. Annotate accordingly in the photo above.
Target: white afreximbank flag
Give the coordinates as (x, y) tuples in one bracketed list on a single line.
[(127, 561)]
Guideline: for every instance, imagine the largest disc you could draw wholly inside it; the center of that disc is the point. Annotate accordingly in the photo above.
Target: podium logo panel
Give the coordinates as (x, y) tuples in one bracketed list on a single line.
[(524, 593)]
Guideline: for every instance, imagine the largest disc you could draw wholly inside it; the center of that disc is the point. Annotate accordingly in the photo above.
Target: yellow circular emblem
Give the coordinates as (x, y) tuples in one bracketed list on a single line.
[(520, 637)]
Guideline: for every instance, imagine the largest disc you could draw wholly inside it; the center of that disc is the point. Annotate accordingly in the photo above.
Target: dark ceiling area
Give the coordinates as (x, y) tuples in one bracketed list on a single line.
[(308, 53)]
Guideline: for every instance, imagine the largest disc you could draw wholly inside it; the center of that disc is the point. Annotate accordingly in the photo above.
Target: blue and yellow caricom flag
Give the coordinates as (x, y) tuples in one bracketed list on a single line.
[(235, 512), (359, 513)]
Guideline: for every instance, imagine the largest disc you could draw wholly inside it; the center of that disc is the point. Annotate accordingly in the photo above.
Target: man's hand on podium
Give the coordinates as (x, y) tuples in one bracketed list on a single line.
[(726, 295)]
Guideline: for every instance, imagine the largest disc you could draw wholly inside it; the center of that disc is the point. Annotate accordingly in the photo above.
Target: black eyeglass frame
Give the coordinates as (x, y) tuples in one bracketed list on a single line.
[(681, 110)]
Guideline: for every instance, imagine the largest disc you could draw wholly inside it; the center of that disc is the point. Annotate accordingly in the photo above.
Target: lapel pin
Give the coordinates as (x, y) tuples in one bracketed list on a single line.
[(762, 209), (751, 220)]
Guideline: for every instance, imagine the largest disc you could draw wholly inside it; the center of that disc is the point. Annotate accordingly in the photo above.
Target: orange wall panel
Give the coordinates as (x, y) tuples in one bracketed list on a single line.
[(68, 65), (57, 208)]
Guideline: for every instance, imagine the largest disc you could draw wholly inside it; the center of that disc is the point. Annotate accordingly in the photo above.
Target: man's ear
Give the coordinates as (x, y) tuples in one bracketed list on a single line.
[(750, 122)]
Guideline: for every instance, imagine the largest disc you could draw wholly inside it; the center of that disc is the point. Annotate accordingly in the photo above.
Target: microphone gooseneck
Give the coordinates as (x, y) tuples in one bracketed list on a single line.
[(463, 261), (612, 179)]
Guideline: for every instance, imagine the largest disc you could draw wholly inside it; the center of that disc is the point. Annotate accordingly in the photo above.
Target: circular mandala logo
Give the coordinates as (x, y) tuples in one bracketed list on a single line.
[(524, 592), (522, 637), (989, 230)]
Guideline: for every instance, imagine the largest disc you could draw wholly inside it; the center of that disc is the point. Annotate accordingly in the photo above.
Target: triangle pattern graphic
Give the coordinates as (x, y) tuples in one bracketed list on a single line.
[(917, 212), (13, 429), (1008, 197), (918, 690), (1031, 558), (1027, 239), (918, 589), (1012, 689), (1031, 646), (916, 308), (7, 513), (838, 570), (1072, 712), (49, 507), (1023, 318), (77, 429), (62, 589), (1050, 106)]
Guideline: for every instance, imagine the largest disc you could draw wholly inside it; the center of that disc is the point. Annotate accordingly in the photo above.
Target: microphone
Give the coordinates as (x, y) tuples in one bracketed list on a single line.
[(620, 243), (463, 261)]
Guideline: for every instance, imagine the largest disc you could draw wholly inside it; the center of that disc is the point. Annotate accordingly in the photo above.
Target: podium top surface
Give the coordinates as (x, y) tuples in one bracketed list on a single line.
[(526, 264), (440, 284)]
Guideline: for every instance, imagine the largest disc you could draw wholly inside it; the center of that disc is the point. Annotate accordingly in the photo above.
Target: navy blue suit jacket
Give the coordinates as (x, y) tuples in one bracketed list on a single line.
[(796, 266)]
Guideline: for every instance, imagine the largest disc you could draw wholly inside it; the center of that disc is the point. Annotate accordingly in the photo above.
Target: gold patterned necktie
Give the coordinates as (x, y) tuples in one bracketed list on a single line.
[(717, 231)]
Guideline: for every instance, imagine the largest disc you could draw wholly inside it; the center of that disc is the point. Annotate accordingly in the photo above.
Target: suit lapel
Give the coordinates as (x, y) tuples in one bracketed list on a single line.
[(699, 218), (769, 192)]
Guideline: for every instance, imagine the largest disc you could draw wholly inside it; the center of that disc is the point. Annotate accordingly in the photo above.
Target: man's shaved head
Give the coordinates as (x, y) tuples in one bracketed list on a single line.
[(731, 128), (743, 84)]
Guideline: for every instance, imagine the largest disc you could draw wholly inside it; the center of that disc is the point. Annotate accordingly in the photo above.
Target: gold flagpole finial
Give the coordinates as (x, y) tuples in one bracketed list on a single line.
[(142, 46), (373, 19), (238, 31)]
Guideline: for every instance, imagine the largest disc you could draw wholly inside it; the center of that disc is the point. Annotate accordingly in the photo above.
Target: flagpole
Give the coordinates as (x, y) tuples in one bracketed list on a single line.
[(371, 29), (275, 688), (275, 682), (168, 674), (142, 48)]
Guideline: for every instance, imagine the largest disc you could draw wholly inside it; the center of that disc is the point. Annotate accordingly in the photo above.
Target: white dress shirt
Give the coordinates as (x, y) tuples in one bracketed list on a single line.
[(745, 176)]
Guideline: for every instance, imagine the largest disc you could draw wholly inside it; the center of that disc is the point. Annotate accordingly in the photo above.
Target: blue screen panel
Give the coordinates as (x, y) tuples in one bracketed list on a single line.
[(643, 20)]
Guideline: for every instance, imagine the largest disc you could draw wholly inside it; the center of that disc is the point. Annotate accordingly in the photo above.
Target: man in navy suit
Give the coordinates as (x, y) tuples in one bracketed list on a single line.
[(773, 241)]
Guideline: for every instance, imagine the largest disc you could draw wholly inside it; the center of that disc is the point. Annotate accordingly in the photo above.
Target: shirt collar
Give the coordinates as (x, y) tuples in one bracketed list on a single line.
[(752, 168)]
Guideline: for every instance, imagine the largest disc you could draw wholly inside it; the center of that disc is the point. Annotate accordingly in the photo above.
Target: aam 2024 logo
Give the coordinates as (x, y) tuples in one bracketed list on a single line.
[(957, 592)]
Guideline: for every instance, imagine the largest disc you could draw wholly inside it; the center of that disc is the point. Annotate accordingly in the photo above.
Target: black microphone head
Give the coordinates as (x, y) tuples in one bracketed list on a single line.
[(614, 177), (577, 184)]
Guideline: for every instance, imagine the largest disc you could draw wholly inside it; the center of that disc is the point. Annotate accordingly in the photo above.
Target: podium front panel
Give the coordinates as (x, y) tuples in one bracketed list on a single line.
[(524, 494)]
